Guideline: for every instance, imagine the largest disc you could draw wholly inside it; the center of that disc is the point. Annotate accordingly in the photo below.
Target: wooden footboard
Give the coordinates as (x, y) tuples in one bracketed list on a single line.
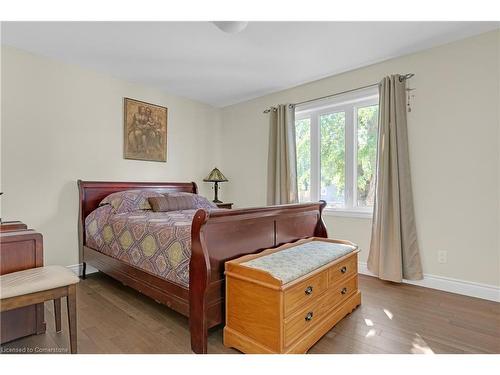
[(223, 235)]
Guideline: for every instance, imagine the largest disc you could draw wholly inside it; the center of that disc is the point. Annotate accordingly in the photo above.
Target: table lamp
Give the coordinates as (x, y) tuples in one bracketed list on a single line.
[(215, 176)]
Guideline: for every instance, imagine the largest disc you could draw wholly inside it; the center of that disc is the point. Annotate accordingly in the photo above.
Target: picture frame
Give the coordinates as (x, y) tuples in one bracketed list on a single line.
[(145, 131)]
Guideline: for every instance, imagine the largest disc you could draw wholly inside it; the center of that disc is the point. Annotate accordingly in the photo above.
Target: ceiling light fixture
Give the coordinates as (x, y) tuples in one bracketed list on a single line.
[(231, 27)]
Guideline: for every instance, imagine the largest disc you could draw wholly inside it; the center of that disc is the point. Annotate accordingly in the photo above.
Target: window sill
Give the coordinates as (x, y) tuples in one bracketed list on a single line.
[(348, 213)]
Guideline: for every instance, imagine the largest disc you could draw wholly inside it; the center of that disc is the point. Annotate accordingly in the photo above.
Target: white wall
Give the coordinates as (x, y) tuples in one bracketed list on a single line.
[(61, 123), (454, 153)]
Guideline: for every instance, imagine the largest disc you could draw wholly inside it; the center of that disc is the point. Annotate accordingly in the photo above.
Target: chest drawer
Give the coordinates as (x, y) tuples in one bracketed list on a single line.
[(302, 321), (306, 317), (304, 292), (339, 293), (343, 270)]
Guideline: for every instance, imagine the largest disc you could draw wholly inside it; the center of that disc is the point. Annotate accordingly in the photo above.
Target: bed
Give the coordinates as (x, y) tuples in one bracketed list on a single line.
[(215, 237)]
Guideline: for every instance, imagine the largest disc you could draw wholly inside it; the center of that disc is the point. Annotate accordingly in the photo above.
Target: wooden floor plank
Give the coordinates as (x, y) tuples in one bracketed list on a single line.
[(393, 318)]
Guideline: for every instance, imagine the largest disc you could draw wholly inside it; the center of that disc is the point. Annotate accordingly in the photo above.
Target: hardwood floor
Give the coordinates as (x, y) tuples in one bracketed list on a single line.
[(393, 318)]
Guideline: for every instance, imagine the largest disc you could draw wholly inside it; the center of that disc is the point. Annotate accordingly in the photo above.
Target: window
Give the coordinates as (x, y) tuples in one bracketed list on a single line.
[(337, 150)]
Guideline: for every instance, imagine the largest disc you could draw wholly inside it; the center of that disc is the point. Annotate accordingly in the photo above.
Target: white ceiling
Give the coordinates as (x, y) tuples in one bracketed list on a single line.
[(198, 61)]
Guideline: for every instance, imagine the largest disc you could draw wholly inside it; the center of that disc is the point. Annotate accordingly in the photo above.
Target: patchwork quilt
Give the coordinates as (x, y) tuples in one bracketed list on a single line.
[(157, 242)]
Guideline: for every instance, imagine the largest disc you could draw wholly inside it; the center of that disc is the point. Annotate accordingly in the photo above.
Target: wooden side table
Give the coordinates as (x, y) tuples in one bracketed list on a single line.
[(225, 205), (20, 250)]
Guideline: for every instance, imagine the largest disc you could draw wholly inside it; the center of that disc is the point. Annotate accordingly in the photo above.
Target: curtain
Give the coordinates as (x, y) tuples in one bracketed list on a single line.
[(282, 162), (394, 252)]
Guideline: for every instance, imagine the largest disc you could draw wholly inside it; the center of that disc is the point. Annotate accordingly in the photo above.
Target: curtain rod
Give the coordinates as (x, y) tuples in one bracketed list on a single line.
[(402, 78)]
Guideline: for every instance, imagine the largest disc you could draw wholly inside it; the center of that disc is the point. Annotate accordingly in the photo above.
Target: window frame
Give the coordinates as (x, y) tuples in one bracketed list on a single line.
[(349, 104)]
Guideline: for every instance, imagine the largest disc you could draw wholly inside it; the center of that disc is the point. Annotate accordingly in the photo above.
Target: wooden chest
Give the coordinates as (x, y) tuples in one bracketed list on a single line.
[(265, 314)]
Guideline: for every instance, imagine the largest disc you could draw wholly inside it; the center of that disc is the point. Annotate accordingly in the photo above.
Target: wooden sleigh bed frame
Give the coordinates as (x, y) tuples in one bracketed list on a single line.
[(215, 238)]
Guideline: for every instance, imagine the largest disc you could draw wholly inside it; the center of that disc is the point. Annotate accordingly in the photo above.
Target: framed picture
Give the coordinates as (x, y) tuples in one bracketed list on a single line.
[(145, 131)]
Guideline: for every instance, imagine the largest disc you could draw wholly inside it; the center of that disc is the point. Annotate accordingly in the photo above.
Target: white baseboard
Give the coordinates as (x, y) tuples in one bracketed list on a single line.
[(448, 284), (78, 269)]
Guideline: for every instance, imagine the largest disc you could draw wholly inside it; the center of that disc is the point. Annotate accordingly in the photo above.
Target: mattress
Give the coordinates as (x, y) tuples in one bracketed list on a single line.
[(157, 242)]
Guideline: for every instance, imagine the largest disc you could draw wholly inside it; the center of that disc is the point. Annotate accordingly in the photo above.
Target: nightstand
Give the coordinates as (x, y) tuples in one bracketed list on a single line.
[(225, 205)]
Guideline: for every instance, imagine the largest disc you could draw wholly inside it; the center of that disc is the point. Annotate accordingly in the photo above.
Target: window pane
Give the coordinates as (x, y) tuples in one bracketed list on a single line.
[(303, 143), (367, 154), (332, 128)]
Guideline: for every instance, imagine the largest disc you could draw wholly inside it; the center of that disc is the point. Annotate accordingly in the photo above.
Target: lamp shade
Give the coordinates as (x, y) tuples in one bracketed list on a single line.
[(215, 176)]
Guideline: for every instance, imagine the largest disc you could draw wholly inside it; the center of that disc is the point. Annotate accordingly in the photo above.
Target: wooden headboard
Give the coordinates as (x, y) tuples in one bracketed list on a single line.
[(91, 193)]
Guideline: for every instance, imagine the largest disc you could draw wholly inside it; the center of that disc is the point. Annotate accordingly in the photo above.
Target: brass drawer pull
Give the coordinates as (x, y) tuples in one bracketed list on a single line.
[(309, 316), (343, 269), (343, 291), (309, 290)]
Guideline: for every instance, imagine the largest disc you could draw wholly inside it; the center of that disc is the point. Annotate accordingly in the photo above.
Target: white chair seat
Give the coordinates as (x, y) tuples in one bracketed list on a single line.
[(35, 280)]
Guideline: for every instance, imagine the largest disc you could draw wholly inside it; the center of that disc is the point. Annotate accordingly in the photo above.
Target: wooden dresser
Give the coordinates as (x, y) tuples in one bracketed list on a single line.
[(265, 314), (20, 248)]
